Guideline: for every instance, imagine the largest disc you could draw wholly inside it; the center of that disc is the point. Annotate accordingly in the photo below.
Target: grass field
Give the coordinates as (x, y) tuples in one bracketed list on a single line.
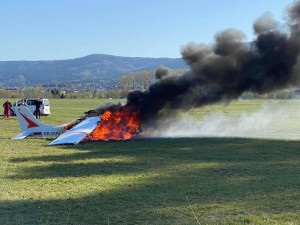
[(205, 180)]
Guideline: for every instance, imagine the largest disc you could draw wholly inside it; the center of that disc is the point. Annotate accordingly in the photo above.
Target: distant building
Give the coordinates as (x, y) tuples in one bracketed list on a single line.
[(11, 89)]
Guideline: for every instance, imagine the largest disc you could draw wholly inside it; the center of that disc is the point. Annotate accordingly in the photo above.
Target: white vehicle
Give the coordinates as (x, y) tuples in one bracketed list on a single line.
[(30, 102), (31, 127)]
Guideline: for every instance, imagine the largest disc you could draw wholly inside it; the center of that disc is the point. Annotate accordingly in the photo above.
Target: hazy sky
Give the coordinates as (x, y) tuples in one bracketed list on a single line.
[(63, 29)]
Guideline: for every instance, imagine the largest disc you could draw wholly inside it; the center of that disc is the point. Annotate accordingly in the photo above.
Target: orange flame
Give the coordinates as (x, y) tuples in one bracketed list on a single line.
[(69, 127), (118, 125)]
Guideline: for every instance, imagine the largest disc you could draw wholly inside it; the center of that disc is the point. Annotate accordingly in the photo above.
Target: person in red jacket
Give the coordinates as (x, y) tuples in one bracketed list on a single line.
[(7, 106)]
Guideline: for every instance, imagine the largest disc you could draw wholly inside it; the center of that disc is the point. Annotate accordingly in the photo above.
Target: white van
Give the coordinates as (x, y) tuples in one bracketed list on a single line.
[(45, 107)]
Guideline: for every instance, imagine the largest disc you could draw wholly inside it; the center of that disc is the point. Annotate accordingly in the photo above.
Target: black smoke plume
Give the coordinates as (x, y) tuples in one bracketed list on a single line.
[(227, 69)]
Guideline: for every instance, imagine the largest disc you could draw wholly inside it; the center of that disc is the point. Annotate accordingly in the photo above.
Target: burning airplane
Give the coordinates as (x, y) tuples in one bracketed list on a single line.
[(219, 72), (121, 124)]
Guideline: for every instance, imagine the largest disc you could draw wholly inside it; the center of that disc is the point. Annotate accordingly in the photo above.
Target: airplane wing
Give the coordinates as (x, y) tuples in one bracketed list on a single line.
[(77, 133), (22, 136)]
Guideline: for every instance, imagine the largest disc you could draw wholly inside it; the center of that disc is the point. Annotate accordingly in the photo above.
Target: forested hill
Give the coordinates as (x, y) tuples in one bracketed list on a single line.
[(91, 67)]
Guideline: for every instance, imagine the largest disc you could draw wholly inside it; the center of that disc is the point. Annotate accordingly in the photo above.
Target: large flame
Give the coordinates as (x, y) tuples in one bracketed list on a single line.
[(122, 124)]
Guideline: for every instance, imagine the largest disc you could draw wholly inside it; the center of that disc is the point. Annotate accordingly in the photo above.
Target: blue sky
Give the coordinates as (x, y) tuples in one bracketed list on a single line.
[(64, 29)]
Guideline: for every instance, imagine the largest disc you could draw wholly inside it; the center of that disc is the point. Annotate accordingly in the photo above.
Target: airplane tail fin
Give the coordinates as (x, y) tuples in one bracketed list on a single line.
[(27, 120)]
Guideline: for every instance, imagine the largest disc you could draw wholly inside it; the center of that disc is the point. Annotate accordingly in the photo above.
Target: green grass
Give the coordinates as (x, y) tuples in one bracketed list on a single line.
[(149, 181)]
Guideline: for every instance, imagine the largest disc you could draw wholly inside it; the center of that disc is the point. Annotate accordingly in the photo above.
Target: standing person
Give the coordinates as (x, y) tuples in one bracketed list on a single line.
[(37, 111), (7, 106), (24, 103)]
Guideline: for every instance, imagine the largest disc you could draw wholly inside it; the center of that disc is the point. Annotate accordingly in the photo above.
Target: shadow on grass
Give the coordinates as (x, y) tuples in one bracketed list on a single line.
[(173, 181)]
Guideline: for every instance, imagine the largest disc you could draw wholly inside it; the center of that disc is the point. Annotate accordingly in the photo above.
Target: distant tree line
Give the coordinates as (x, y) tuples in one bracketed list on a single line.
[(273, 95), (140, 80)]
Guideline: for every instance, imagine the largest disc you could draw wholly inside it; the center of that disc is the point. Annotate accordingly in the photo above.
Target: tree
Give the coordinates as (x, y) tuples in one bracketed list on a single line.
[(127, 82), (144, 79), (55, 91), (131, 81)]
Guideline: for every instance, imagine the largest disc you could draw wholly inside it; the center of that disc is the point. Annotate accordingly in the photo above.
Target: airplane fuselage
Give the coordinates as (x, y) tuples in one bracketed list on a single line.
[(48, 133)]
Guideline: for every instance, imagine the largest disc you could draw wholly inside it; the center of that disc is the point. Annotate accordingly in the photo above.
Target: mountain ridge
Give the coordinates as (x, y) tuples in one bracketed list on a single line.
[(93, 66)]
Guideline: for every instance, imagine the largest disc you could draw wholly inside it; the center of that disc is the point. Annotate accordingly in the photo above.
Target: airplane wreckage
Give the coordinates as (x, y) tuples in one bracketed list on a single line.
[(111, 125)]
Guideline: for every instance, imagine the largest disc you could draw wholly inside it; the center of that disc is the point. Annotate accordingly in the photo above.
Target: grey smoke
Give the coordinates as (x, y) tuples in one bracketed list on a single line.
[(271, 121), (226, 69), (265, 23), (161, 72)]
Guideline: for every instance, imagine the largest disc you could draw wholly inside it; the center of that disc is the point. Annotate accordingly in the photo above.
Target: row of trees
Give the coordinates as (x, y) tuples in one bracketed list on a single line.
[(118, 94), (140, 80), (273, 95), (137, 80), (115, 94)]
